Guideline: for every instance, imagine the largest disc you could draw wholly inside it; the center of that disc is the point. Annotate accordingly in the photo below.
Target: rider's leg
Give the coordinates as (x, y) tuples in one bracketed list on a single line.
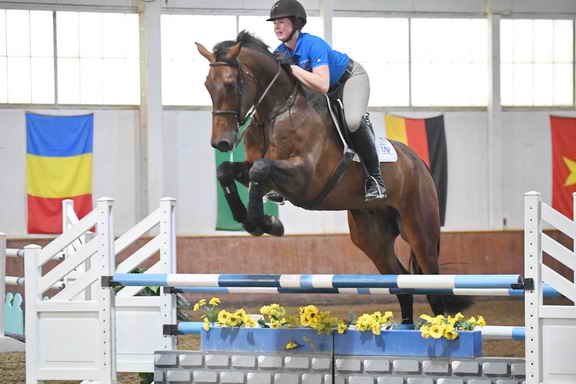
[(355, 97)]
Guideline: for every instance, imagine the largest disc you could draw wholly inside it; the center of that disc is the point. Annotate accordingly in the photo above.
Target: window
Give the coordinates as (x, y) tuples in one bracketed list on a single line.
[(449, 62), (381, 46), (537, 61), (183, 68), (98, 58), (26, 57)]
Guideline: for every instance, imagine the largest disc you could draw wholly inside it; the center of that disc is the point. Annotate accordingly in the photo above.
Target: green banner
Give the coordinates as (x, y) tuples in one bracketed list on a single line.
[(225, 221)]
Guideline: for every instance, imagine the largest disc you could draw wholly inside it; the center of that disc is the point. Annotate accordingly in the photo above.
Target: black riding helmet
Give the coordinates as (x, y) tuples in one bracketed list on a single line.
[(289, 8)]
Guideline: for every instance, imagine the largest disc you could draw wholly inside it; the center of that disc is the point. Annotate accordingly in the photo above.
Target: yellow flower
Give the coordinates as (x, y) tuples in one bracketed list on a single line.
[(206, 325), (342, 326), (214, 301), (425, 331), (481, 321), (223, 317), (426, 318), (459, 316), (376, 328), (436, 331), (451, 334), (199, 304), (291, 345)]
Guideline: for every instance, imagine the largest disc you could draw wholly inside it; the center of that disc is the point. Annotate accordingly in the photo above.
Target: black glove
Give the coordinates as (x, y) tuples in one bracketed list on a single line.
[(284, 61)]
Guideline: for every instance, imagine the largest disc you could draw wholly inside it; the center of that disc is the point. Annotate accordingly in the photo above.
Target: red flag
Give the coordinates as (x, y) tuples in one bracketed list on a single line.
[(563, 131)]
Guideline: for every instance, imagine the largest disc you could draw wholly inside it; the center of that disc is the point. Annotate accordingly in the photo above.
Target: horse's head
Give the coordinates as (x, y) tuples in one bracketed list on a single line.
[(231, 94)]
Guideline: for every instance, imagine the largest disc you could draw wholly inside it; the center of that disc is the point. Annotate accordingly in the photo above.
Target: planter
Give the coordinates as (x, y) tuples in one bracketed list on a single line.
[(408, 343), (264, 340), (389, 343)]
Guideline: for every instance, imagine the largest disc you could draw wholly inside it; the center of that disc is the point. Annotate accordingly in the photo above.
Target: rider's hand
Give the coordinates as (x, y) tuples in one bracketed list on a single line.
[(284, 61)]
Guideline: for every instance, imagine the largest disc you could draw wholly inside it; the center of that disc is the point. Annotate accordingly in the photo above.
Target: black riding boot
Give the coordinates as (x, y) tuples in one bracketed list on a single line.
[(363, 142)]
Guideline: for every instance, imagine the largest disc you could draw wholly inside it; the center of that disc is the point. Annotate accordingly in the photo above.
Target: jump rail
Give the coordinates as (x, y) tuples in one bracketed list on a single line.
[(321, 281), (548, 291)]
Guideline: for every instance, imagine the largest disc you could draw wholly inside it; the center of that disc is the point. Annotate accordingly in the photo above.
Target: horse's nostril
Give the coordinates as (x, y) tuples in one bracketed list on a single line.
[(223, 145)]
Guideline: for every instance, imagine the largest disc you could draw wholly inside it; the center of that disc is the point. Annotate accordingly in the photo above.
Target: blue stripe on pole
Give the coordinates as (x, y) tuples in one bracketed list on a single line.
[(249, 280), (141, 279), (365, 281), (485, 281), (306, 281), (190, 327), (518, 333)]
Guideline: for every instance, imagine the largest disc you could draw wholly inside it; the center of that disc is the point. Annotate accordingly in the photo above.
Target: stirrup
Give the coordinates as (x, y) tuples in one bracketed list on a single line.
[(274, 197), (374, 188)]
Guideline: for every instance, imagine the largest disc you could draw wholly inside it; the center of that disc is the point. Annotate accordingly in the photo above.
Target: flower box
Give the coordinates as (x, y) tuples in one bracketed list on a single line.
[(352, 342), (408, 343), (264, 340)]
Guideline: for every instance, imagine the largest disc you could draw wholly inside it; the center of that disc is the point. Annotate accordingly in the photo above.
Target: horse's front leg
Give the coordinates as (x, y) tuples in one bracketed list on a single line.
[(264, 174), (227, 174)]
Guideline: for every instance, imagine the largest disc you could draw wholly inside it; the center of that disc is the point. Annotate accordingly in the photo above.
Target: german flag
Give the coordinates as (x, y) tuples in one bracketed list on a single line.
[(58, 167), (563, 132), (427, 138)]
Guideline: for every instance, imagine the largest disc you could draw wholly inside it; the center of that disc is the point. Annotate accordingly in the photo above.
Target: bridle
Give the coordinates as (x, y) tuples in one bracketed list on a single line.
[(243, 122)]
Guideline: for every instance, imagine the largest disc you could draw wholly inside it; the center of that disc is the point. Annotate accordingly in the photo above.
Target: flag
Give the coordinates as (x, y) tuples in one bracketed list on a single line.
[(225, 221), (563, 132), (58, 167), (427, 138)]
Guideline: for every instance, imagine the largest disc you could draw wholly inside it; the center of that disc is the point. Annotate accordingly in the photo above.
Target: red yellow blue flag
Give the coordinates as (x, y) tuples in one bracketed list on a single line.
[(58, 167)]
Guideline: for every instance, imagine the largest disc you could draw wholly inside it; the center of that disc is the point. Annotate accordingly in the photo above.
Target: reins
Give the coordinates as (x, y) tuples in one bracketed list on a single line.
[(249, 116)]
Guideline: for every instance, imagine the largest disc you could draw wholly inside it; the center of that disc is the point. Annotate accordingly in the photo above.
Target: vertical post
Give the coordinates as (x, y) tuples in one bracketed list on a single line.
[(151, 175), (2, 282), (32, 274), (494, 133), (327, 13), (105, 261), (533, 299), (168, 262)]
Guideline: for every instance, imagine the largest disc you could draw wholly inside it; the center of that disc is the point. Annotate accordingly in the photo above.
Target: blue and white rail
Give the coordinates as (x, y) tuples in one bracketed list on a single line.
[(548, 291), (429, 282)]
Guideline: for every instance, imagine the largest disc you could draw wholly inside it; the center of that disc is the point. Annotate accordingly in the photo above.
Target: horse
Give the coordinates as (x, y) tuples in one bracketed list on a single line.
[(292, 147)]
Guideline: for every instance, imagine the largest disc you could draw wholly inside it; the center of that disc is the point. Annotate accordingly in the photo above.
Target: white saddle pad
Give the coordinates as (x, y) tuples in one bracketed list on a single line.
[(386, 152)]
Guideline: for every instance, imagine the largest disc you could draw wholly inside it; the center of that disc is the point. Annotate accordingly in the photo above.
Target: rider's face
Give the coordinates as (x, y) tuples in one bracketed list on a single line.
[(283, 28)]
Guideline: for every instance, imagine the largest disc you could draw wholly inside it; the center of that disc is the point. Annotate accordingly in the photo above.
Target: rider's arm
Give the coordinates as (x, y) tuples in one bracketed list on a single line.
[(318, 79)]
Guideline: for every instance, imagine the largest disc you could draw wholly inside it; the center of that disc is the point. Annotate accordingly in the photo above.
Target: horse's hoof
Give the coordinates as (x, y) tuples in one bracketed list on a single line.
[(275, 227), (254, 230)]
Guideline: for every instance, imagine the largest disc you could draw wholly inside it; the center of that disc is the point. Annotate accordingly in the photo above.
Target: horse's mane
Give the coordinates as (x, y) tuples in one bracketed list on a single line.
[(248, 40)]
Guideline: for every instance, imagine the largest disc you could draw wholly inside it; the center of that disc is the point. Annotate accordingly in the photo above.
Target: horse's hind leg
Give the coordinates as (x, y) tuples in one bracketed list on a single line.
[(421, 229), (375, 233)]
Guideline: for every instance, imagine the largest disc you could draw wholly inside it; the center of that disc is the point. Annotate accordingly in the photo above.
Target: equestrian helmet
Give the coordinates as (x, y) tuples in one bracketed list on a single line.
[(291, 9)]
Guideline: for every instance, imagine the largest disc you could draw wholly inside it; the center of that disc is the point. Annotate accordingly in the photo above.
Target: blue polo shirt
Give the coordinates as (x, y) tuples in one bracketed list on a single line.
[(311, 51)]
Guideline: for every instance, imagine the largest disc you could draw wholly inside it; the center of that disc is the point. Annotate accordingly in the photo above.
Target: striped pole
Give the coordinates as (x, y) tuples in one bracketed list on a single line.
[(489, 332), (320, 281), (548, 291)]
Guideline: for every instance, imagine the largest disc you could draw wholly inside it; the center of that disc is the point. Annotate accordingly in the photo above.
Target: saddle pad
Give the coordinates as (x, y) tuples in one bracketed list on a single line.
[(386, 151)]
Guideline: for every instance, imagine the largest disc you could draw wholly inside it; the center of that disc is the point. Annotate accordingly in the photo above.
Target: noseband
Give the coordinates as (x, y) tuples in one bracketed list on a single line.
[(244, 122)]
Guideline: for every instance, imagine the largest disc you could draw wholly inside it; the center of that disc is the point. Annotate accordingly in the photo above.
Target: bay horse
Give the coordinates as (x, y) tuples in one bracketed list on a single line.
[(293, 148)]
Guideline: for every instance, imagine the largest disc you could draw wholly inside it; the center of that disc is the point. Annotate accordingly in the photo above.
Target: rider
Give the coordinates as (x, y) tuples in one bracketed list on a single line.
[(325, 70)]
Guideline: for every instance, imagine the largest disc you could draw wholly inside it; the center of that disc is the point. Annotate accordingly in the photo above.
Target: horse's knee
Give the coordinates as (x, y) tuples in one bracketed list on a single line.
[(225, 173), (260, 170)]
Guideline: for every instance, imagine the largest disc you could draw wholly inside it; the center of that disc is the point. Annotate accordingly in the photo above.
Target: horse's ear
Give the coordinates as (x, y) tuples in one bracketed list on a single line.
[(233, 52), (205, 52)]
